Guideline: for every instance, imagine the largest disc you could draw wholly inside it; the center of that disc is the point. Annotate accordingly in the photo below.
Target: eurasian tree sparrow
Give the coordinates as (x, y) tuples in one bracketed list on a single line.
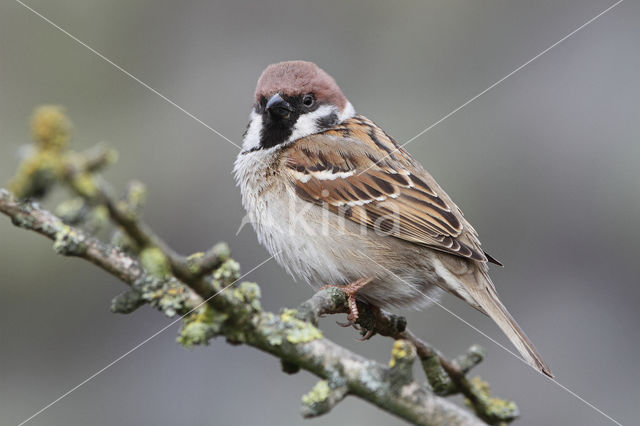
[(337, 201)]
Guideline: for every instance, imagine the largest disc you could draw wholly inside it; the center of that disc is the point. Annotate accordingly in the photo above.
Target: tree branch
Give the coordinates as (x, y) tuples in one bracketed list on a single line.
[(204, 289), (283, 335)]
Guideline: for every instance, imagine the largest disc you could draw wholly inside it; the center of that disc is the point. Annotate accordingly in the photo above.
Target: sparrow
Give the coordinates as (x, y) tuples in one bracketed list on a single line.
[(338, 201)]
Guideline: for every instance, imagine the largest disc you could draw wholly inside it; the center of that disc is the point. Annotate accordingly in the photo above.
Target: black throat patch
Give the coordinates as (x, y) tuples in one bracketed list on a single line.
[(277, 130)]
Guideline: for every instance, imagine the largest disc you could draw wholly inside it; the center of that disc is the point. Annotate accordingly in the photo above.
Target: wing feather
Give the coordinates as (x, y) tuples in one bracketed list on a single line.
[(359, 171)]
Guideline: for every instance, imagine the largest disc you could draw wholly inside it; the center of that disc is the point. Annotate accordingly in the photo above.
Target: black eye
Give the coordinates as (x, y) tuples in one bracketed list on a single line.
[(308, 100)]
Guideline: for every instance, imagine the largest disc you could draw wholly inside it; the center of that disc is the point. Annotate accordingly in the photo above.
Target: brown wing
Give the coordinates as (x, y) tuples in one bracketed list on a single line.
[(359, 171)]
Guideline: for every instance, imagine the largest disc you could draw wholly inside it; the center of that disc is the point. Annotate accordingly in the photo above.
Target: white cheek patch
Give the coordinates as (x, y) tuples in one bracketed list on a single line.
[(252, 137), (347, 113), (307, 124)]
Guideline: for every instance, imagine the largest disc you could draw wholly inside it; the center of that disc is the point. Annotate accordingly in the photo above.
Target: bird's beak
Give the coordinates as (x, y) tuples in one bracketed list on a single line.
[(278, 107)]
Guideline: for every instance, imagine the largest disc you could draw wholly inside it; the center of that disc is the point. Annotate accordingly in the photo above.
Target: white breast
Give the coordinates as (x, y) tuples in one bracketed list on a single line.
[(296, 232)]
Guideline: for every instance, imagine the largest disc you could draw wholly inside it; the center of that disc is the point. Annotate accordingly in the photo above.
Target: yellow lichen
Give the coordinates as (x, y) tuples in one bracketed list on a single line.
[(399, 351), (495, 407), (50, 127), (481, 385), (68, 241), (201, 326), (298, 331), (288, 315), (318, 394)]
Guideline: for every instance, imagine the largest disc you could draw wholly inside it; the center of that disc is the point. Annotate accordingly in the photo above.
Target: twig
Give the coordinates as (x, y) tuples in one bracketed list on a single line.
[(445, 377), (281, 335)]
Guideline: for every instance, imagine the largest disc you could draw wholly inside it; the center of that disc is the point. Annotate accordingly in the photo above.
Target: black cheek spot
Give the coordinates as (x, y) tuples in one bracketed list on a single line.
[(327, 121)]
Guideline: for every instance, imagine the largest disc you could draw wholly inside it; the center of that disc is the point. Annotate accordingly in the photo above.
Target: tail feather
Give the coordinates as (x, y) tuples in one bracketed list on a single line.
[(484, 293)]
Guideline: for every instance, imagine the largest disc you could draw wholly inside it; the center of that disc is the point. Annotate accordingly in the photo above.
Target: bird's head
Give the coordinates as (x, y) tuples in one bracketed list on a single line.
[(294, 99)]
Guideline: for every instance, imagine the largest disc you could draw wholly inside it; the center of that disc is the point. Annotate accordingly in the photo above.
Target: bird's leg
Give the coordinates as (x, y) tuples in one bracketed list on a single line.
[(351, 290)]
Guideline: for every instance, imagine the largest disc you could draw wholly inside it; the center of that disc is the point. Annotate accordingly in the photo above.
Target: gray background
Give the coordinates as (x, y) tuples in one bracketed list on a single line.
[(544, 166)]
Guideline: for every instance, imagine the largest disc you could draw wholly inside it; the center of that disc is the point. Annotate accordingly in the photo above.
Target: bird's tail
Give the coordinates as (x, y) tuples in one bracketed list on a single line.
[(484, 293)]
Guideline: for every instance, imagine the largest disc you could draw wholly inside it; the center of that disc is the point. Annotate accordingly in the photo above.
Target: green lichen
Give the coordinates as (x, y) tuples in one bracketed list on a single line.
[(288, 314), (438, 378), (69, 242), (297, 331), (318, 394), (274, 339), (496, 409), (248, 293), (474, 355), (193, 260), (111, 157), (127, 302), (85, 185), (124, 242), (338, 297), (37, 174), (221, 252), (245, 298), (155, 262), (136, 196), (227, 273), (201, 326), (97, 219), (71, 211), (286, 327), (324, 395), (271, 329), (168, 296)]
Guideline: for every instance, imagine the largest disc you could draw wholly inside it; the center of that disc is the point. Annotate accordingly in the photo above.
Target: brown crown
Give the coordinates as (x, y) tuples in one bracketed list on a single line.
[(297, 78)]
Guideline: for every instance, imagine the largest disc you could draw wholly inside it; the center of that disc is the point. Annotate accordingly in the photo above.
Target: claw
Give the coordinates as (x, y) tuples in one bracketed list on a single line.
[(366, 337), (348, 324)]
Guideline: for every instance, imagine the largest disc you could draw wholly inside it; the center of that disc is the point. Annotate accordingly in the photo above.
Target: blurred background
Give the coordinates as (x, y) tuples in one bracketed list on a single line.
[(545, 166)]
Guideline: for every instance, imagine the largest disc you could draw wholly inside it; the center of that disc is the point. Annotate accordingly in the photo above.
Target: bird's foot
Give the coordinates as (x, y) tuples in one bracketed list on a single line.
[(351, 290)]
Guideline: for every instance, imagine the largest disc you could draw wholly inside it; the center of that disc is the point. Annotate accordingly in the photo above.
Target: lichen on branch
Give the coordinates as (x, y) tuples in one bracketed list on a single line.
[(206, 291)]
